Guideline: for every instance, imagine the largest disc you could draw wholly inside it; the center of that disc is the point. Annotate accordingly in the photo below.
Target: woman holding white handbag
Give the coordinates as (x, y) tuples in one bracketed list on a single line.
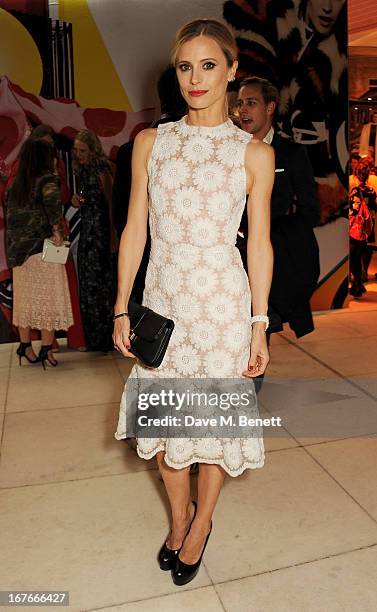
[(34, 213)]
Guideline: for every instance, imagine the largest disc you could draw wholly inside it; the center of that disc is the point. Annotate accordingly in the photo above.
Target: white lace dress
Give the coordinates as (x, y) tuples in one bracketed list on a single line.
[(197, 189)]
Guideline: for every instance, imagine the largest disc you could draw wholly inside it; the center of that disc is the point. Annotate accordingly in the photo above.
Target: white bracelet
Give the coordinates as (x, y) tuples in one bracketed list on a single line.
[(261, 318)]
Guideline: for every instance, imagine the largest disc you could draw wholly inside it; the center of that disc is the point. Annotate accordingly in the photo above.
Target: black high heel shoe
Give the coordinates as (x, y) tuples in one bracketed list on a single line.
[(167, 557), (184, 572), (21, 352), (44, 356)]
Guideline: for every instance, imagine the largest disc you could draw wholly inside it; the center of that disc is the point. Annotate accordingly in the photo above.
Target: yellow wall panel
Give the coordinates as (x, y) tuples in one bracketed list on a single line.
[(19, 56), (97, 83)]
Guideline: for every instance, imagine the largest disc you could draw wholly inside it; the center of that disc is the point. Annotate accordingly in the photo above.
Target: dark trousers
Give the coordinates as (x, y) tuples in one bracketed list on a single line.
[(366, 258), (358, 249)]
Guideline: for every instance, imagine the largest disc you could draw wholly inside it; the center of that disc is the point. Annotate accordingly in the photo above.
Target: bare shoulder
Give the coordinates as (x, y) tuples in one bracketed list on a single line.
[(145, 139), (143, 145), (259, 152), (259, 162)]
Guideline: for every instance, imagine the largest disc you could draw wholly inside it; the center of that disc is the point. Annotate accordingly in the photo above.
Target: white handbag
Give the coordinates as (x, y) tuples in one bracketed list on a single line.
[(54, 254)]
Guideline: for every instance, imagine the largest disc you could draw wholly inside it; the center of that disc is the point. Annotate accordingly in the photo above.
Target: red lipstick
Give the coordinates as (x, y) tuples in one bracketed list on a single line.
[(198, 92)]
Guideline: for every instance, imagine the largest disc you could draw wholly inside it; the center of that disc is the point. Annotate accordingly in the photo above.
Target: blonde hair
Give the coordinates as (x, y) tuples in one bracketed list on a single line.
[(206, 27), (93, 143)]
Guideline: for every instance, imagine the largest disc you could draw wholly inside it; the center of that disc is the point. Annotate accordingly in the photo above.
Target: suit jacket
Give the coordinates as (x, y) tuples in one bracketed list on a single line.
[(294, 213)]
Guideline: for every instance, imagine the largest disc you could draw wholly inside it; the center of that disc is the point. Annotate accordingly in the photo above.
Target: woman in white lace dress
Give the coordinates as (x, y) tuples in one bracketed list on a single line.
[(193, 176)]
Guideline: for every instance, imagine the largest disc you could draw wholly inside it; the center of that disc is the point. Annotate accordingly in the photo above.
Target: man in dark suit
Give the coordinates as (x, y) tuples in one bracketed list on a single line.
[(294, 212)]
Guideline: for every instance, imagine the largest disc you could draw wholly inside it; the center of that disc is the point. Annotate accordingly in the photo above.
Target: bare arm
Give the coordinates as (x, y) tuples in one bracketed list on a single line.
[(134, 235), (260, 169)]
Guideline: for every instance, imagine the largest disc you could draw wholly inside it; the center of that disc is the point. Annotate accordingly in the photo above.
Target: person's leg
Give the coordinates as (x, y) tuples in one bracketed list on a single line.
[(47, 337), (366, 257), (24, 333), (25, 337), (210, 481), (355, 266), (47, 340), (177, 484)]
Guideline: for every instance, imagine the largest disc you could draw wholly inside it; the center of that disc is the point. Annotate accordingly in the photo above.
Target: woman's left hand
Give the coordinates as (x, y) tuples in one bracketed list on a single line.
[(57, 239), (259, 355)]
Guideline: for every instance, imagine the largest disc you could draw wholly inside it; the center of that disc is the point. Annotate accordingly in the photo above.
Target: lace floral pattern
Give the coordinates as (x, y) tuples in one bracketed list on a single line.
[(195, 276), (41, 295)]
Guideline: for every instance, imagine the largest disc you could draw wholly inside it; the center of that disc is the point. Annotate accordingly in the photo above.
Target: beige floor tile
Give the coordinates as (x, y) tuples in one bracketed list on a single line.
[(2, 418), (278, 442), (4, 377), (80, 358), (5, 355), (289, 512), (66, 385), (328, 327), (282, 390), (353, 464), (362, 321), (275, 438), (286, 360), (65, 444), (278, 338), (343, 583), (124, 366), (321, 410), (367, 382), (6, 346), (199, 600), (349, 357), (69, 357), (97, 538)]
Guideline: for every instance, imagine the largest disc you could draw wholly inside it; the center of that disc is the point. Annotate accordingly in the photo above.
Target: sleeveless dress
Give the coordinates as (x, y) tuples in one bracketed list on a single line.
[(195, 276)]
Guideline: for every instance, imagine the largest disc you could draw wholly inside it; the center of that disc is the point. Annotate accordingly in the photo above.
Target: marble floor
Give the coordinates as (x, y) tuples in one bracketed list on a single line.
[(79, 511)]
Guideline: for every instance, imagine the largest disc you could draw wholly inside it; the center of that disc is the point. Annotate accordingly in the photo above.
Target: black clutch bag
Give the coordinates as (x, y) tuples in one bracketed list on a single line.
[(150, 334)]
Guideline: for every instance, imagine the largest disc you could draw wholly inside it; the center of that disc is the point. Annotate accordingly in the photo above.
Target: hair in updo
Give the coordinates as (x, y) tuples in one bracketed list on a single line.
[(206, 27)]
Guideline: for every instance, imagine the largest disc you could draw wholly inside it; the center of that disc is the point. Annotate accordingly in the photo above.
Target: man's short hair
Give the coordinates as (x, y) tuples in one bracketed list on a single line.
[(269, 92)]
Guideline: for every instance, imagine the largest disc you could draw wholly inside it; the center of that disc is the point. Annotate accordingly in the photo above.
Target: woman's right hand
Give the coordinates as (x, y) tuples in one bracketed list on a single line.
[(121, 336)]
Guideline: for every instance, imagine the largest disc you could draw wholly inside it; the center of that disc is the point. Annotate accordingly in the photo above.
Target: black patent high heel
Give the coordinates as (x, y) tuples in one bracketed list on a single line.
[(44, 356), (21, 352), (167, 557), (185, 572)]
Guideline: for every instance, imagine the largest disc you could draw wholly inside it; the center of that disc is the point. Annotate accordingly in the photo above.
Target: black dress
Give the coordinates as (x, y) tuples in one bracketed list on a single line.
[(94, 260)]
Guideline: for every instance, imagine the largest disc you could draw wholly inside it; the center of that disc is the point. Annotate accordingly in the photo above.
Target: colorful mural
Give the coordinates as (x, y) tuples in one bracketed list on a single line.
[(119, 50)]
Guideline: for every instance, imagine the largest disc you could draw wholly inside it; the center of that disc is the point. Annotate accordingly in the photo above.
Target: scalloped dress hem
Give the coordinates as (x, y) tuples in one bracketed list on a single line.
[(234, 473)]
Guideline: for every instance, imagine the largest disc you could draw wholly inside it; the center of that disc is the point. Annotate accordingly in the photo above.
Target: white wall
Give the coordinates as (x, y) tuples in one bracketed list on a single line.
[(139, 34)]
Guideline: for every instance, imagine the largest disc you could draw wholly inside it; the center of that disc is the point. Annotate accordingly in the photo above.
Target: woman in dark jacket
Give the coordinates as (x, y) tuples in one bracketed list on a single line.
[(33, 213)]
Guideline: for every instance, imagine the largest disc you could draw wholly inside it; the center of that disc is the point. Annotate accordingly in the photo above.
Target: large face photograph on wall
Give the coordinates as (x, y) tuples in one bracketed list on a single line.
[(301, 47)]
